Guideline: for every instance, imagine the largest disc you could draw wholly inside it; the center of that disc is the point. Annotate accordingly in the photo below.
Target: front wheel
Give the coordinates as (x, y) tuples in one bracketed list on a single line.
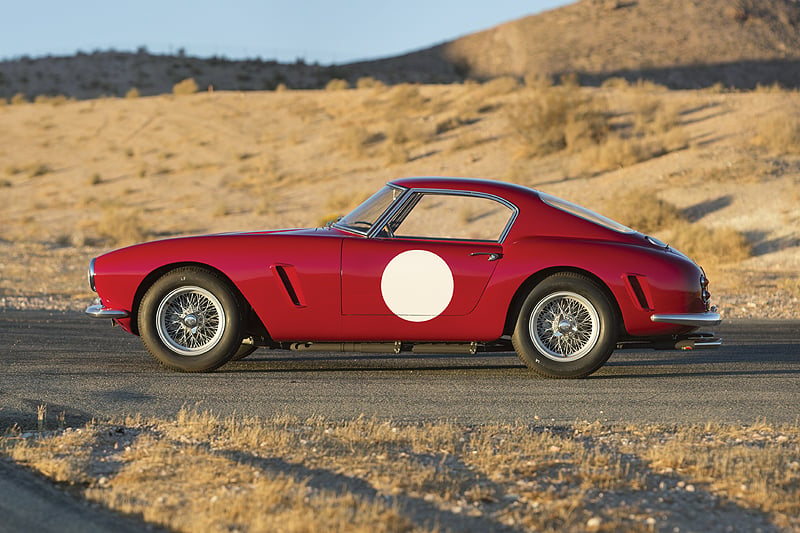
[(567, 327), (191, 320)]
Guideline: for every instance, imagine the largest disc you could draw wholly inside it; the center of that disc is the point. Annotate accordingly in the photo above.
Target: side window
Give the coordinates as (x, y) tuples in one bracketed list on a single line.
[(453, 216)]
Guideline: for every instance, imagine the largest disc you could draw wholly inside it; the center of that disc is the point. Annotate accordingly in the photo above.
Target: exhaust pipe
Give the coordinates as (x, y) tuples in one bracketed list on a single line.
[(357, 347)]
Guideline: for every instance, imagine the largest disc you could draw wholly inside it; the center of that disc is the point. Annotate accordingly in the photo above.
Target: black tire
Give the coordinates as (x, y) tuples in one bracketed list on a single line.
[(243, 351), (567, 327), (191, 320)]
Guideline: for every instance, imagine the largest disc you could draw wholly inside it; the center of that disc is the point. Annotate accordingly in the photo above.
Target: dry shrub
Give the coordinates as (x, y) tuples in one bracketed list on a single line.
[(368, 82), (356, 140), (776, 87), (328, 219), (587, 124), (344, 202), (467, 139), (779, 133), (56, 100), (396, 154), (558, 118), (615, 152), (405, 97), (120, 227), (133, 92), (538, 81), (674, 140), (408, 132), (499, 86), (644, 107), (652, 117), (18, 99), (643, 211), (451, 123), (709, 245), (187, 86), (336, 84), (615, 83)]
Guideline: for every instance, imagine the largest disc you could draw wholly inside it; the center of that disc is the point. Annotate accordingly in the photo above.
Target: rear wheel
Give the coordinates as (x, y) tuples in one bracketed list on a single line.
[(191, 320), (566, 327)]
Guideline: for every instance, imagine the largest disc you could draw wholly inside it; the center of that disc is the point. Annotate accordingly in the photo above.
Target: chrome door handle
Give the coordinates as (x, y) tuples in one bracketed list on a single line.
[(493, 256)]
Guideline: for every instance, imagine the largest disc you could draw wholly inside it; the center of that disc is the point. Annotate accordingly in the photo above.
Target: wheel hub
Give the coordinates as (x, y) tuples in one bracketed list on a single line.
[(565, 326), (190, 321)]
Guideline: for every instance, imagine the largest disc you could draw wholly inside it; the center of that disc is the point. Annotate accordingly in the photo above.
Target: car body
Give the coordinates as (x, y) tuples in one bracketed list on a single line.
[(427, 264)]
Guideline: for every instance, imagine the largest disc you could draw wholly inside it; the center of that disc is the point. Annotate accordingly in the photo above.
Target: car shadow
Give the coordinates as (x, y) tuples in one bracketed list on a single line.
[(785, 358), (288, 362)]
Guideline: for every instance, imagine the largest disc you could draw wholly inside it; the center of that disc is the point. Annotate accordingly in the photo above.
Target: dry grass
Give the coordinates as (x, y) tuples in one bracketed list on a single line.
[(120, 226), (546, 120), (200, 472), (185, 87), (336, 84), (779, 132), (644, 211), (550, 119), (708, 246)]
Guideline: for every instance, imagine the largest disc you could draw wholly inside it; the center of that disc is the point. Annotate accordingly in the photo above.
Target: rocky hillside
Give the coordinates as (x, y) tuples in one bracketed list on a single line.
[(677, 43)]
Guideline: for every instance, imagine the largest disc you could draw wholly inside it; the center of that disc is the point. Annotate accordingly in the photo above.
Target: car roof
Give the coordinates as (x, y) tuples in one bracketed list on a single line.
[(502, 189)]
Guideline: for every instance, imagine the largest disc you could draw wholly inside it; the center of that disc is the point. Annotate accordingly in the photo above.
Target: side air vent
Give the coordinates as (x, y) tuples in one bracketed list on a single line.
[(638, 291), (291, 283)]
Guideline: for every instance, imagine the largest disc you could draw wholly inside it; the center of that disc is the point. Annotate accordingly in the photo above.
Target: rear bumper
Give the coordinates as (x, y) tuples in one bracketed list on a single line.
[(97, 310), (698, 320)]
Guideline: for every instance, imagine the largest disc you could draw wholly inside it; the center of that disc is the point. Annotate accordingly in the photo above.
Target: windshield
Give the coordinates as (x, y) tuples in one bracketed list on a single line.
[(584, 213), (363, 217)]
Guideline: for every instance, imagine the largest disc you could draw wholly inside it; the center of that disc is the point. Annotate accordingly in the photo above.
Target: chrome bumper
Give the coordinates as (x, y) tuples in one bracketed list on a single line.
[(97, 310), (709, 318)]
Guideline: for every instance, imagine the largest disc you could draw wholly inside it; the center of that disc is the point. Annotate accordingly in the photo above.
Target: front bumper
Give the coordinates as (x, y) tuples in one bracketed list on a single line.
[(698, 320), (98, 310)]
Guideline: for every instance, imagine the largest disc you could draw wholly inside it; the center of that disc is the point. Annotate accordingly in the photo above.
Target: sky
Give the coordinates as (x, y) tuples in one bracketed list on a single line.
[(316, 31)]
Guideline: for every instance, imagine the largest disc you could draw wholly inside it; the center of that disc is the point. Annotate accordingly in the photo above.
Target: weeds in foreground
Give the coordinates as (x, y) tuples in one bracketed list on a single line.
[(203, 472)]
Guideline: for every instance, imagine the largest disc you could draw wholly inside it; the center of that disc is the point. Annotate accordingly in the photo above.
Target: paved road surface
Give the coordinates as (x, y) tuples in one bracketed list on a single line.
[(85, 368)]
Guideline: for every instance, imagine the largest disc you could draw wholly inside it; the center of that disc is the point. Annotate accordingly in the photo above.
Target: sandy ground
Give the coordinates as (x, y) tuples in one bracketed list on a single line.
[(82, 177)]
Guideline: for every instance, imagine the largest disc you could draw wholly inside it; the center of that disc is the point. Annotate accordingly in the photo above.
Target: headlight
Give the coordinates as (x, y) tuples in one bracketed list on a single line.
[(91, 275)]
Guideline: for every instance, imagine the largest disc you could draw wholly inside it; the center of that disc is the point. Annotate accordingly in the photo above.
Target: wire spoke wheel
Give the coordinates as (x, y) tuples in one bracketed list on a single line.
[(564, 326), (190, 320)]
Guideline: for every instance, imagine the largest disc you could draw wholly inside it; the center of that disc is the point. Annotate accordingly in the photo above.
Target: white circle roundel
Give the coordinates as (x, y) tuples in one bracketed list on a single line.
[(417, 285)]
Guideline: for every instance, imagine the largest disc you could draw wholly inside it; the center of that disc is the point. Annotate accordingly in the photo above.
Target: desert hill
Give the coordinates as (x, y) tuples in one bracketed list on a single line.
[(682, 44), (677, 43)]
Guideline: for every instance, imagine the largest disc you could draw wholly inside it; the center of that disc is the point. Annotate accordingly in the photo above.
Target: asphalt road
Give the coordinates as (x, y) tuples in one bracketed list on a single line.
[(84, 368)]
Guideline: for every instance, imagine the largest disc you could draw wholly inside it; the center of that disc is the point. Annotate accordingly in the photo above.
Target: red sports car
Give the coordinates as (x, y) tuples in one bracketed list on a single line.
[(426, 265)]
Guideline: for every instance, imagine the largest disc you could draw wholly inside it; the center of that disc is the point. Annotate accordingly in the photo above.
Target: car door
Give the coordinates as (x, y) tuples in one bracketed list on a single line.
[(433, 259)]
